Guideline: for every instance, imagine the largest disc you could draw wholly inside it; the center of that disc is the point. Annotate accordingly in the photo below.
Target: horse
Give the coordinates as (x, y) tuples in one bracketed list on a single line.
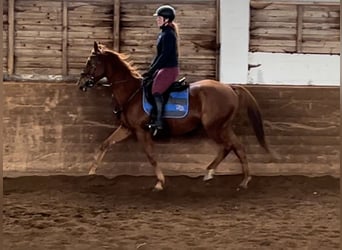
[(213, 106)]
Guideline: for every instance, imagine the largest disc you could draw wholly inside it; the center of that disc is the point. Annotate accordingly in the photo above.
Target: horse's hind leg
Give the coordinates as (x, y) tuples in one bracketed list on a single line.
[(240, 152), (231, 142), (223, 152), (118, 135)]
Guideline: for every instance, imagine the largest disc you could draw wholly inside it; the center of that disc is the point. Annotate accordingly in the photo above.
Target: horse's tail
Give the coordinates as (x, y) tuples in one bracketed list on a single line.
[(254, 114)]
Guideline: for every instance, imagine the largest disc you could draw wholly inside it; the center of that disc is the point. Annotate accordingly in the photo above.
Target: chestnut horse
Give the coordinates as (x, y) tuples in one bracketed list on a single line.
[(213, 106)]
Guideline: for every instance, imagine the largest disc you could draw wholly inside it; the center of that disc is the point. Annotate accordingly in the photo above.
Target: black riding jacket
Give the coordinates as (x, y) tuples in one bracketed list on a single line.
[(167, 53)]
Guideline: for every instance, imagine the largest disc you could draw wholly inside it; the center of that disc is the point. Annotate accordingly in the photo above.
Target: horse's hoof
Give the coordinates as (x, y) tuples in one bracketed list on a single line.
[(158, 187), (244, 183), (241, 187), (92, 172), (208, 177)]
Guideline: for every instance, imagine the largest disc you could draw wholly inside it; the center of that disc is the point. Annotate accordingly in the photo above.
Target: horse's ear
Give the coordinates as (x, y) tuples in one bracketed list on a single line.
[(96, 47)]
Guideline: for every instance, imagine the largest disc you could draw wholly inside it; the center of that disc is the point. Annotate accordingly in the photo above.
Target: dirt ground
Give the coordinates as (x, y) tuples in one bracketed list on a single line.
[(94, 212)]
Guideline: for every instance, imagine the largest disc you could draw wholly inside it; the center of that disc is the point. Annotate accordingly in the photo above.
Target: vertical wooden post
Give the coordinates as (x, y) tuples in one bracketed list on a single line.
[(1, 98), (10, 55), (218, 40), (1, 55), (299, 29), (116, 25), (65, 38)]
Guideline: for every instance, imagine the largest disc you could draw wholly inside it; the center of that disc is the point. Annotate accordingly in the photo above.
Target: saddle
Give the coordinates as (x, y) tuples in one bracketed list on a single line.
[(175, 99), (178, 85)]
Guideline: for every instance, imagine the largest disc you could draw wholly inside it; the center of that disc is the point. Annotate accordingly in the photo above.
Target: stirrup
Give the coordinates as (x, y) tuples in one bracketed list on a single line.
[(154, 126), (155, 130)]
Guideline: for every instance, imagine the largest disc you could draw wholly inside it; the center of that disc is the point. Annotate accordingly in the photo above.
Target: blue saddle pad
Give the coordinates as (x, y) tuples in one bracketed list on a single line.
[(176, 107)]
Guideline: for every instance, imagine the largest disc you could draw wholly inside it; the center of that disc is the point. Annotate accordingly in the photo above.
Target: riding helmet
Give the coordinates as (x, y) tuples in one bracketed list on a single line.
[(166, 11)]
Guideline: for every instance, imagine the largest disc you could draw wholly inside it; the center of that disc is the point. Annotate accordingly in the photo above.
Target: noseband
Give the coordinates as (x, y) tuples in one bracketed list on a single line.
[(90, 82)]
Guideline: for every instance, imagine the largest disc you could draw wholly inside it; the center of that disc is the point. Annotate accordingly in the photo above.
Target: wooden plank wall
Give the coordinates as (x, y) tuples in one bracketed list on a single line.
[(40, 29), (87, 21), (197, 27), (4, 36), (321, 29), (55, 37), (38, 43), (295, 27), (55, 129)]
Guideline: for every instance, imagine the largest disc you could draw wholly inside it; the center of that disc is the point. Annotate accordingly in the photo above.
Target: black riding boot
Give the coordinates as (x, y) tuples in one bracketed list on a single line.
[(158, 123)]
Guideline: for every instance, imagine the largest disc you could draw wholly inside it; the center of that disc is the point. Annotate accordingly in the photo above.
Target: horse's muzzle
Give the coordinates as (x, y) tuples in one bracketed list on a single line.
[(88, 84), (83, 88)]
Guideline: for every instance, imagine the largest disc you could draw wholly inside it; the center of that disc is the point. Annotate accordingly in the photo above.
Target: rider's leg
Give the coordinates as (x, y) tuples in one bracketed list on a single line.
[(159, 100), (162, 81)]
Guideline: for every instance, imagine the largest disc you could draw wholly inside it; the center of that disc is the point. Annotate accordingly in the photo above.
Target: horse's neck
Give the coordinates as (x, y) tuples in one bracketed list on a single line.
[(124, 84), (124, 87)]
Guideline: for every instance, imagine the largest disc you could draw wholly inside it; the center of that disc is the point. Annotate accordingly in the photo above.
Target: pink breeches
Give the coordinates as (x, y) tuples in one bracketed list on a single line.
[(163, 79)]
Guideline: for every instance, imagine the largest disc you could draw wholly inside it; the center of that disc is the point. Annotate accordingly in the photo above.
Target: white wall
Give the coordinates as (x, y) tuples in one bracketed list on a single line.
[(276, 68), (234, 36), (297, 69)]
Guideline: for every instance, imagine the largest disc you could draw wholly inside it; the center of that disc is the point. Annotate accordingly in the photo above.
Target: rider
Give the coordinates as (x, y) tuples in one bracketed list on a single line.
[(164, 68)]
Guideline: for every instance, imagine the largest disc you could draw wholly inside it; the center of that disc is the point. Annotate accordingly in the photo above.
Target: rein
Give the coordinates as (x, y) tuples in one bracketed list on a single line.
[(119, 111)]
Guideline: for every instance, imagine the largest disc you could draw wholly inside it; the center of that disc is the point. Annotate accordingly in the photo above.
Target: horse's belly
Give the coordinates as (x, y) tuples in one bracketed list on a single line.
[(183, 125)]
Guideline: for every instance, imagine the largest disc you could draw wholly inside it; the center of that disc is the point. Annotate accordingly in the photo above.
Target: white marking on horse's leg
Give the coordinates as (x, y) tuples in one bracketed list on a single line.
[(209, 175), (221, 154), (160, 177), (158, 186), (240, 152), (145, 139), (97, 159), (118, 135), (244, 183), (92, 170)]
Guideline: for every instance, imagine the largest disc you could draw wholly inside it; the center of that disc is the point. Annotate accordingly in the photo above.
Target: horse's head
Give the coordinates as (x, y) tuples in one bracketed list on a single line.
[(94, 69)]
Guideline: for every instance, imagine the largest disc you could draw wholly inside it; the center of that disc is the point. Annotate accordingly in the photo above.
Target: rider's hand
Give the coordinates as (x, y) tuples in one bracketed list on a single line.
[(147, 75)]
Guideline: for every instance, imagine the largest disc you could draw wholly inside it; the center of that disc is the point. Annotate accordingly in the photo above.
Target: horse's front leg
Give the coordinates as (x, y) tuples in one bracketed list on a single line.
[(145, 139), (118, 135)]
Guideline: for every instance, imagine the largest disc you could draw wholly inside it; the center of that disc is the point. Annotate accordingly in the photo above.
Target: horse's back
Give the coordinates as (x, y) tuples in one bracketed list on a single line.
[(214, 92), (211, 85)]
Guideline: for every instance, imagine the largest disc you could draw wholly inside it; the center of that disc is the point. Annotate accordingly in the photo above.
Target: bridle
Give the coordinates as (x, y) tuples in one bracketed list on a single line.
[(90, 83)]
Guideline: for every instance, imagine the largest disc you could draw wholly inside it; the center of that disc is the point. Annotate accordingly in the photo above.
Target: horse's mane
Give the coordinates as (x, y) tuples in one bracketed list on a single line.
[(123, 58)]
